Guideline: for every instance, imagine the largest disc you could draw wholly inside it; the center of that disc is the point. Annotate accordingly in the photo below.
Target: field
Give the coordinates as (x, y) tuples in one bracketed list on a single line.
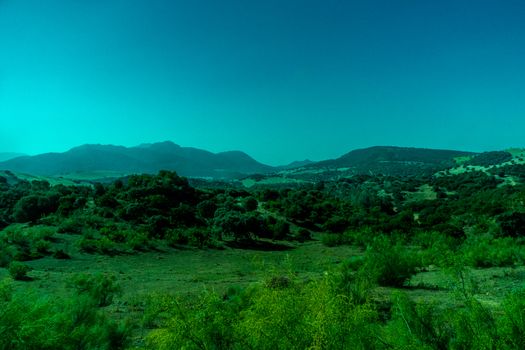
[(168, 270)]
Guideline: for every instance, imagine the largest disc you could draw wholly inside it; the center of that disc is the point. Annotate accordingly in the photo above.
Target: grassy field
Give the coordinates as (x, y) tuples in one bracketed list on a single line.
[(192, 271), (169, 270)]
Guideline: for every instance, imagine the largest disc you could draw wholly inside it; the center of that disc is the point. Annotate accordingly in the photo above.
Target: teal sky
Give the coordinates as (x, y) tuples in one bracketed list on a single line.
[(279, 79)]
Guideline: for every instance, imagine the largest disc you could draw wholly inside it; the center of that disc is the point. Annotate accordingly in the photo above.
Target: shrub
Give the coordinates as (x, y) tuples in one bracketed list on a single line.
[(334, 239), (32, 207), (436, 248), (28, 321), (280, 229), (61, 254), (416, 326), (512, 323), (303, 235), (177, 236), (250, 203), (361, 237), (18, 271), (138, 240), (7, 254), (199, 237), (88, 245), (389, 264), (336, 224), (101, 288), (485, 251), (288, 315)]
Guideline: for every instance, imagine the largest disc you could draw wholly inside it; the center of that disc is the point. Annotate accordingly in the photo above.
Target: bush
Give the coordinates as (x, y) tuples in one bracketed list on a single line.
[(18, 271), (177, 236), (101, 288), (28, 321), (138, 241), (33, 207), (416, 326), (286, 316), (485, 251), (103, 245), (199, 237), (391, 265), (436, 248), (512, 324), (334, 239), (61, 254), (7, 254), (303, 235)]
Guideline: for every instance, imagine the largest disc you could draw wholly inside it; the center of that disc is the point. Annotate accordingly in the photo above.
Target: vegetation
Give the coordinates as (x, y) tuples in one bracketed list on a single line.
[(402, 231)]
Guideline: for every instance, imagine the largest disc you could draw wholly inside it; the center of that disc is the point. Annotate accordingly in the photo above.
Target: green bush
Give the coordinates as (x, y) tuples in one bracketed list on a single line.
[(7, 253), (102, 288), (71, 225), (389, 264), (334, 239), (27, 243), (28, 321), (101, 245), (416, 326), (61, 254), (303, 235), (177, 236), (199, 237), (138, 240), (293, 316), (18, 271), (485, 251), (436, 248), (512, 323)]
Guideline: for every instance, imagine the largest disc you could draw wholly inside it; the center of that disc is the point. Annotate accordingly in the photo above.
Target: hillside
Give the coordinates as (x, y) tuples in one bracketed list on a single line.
[(147, 158), (390, 160), (378, 160)]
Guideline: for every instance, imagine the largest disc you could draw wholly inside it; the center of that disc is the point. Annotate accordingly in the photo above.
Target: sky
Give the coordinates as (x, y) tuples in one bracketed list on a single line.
[(282, 80)]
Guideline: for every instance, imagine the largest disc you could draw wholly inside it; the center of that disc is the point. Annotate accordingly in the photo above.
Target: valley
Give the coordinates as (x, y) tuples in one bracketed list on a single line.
[(149, 255)]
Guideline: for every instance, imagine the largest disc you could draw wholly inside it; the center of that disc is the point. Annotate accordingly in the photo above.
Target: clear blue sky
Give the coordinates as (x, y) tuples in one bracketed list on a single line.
[(280, 79)]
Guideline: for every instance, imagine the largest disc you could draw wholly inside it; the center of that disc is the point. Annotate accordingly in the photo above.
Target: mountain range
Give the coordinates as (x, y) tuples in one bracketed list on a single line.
[(146, 158), (194, 162)]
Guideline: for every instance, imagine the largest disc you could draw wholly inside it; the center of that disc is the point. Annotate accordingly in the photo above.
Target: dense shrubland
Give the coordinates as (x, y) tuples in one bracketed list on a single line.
[(334, 312), (403, 226), (71, 322)]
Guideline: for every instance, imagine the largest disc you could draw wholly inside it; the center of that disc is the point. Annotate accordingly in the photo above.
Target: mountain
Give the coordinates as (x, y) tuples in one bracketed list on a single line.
[(146, 158), (296, 164), (9, 155), (390, 160)]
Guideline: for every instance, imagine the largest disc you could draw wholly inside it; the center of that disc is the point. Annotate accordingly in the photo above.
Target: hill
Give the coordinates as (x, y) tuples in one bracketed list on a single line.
[(389, 160), (146, 158)]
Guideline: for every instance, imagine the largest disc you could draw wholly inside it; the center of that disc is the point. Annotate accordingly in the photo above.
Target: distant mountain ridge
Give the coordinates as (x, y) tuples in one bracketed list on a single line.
[(105, 161), (392, 160), (146, 158)]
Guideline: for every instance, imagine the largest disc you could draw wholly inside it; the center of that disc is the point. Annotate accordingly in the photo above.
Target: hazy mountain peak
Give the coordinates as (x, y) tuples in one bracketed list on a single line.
[(163, 144), (146, 158)]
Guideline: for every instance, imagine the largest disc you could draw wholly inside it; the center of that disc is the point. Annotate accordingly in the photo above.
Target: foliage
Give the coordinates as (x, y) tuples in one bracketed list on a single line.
[(101, 288), (289, 317), (389, 264), (28, 321), (18, 270)]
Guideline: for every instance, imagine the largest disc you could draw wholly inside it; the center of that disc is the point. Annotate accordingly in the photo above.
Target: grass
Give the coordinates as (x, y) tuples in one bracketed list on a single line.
[(424, 192), (186, 271)]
